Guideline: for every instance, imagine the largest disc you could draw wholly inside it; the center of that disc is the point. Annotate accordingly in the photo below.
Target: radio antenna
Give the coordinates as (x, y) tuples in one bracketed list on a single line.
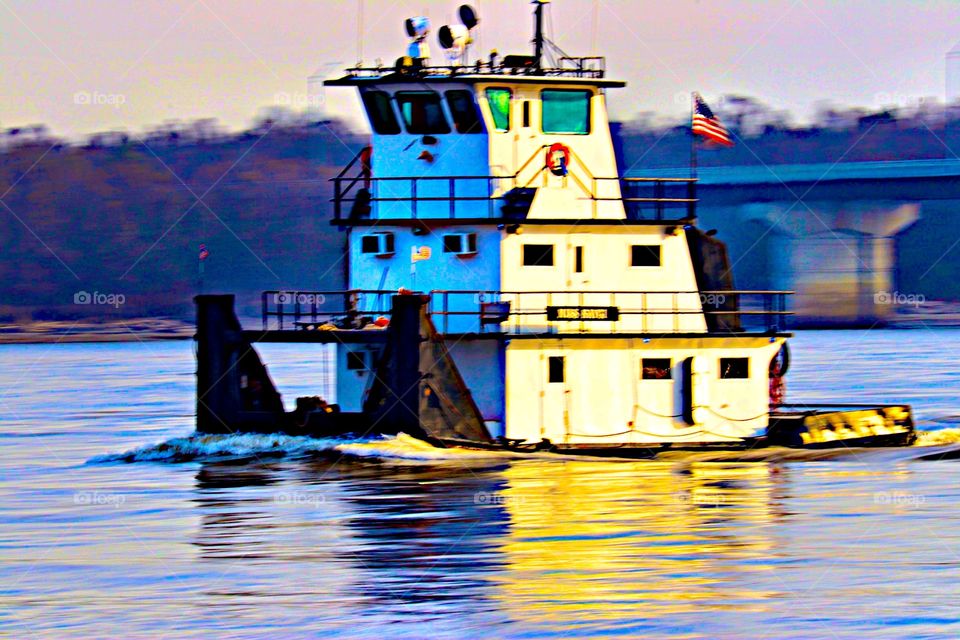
[(359, 32), (538, 38)]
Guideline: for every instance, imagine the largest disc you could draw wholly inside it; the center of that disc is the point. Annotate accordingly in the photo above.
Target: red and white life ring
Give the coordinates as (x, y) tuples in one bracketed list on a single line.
[(558, 159)]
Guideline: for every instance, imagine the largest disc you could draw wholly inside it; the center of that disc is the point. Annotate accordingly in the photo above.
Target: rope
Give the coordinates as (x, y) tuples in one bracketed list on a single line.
[(710, 409)]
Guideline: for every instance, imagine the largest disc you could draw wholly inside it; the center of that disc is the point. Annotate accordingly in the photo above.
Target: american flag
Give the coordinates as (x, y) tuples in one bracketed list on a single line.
[(708, 125), (204, 254)]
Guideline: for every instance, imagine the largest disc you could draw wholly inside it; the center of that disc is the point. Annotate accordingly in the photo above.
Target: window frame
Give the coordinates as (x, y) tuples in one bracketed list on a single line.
[(493, 117), (357, 357), (633, 256), (543, 111), (746, 370), (553, 364), (656, 363), (398, 98), (390, 110), (523, 255), (480, 126)]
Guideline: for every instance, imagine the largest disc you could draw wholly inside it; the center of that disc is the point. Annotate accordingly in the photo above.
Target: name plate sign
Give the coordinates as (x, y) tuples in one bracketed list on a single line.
[(580, 314)]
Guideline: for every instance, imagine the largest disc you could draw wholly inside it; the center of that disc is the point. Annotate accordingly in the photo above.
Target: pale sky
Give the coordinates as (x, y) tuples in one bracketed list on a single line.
[(81, 66)]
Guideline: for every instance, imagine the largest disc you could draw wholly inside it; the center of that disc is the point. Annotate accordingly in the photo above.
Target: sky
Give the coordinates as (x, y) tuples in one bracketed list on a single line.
[(83, 66)]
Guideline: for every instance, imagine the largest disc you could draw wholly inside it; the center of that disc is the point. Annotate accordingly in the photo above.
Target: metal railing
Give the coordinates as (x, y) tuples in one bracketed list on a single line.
[(346, 309), (662, 196), (643, 312), (542, 312), (569, 67)]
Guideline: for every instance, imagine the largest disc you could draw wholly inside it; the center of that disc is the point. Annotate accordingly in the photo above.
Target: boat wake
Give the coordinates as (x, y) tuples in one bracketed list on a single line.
[(402, 447), (208, 447), (204, 447)]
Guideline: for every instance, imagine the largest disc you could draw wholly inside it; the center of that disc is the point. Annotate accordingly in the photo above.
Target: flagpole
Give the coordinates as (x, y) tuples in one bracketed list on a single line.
[(693, 136)]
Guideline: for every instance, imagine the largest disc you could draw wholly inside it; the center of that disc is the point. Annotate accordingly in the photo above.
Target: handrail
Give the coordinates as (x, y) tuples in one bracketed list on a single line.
[(529, 160), (350, 165), (722, 314), (344, 186)]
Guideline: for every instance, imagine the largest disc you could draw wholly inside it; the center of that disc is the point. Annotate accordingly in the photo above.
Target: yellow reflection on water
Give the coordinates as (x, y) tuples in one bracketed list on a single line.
[(599, 540)]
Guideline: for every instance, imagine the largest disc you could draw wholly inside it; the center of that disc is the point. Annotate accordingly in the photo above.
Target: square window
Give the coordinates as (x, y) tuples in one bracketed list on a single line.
[(356, 361), (734, 368), (656, 369), (555, 364), (645, 255), (538, 255), (566, 111)]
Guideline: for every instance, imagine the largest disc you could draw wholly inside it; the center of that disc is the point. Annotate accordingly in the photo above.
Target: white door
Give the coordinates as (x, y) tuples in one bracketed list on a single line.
[(553, 397)]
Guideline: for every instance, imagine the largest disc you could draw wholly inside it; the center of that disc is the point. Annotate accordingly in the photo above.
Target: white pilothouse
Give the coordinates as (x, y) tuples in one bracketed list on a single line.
[(532, 296)]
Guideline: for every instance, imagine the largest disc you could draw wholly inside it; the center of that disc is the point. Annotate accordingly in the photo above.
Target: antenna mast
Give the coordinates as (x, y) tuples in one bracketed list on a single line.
[(538, 38)]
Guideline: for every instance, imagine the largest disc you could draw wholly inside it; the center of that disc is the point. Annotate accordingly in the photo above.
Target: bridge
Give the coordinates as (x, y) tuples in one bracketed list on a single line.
[(857, 241)]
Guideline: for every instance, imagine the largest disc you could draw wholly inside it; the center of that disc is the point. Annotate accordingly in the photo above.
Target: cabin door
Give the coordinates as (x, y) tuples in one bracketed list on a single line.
[(553, 395)]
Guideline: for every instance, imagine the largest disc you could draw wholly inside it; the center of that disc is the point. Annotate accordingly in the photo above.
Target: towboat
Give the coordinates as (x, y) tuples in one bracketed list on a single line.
[(509, 288)]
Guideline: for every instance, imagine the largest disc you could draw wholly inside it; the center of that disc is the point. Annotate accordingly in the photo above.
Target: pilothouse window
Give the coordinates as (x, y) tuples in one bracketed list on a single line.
[(422, 113), (380, 111), (499, 101), (464, 112), (566, 111)]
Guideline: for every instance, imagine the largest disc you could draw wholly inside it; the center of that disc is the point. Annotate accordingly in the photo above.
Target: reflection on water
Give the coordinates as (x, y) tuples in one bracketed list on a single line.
[(314, 545)]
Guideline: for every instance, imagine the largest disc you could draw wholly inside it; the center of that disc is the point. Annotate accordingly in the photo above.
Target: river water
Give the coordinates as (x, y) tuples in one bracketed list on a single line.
[(279, 537)]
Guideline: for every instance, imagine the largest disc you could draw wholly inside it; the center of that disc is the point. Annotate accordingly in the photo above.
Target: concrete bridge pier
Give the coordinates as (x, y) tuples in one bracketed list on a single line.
[(840, 258)]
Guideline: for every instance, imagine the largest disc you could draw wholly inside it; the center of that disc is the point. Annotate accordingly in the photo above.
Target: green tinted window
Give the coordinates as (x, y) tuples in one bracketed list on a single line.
[(566, 111), (499, 101)]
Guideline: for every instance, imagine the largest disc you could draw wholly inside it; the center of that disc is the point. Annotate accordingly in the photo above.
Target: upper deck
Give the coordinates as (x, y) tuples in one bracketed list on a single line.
[(570, 70), (522, 137)]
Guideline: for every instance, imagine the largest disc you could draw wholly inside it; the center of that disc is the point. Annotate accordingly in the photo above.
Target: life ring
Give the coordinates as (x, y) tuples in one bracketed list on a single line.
[(558, 159)]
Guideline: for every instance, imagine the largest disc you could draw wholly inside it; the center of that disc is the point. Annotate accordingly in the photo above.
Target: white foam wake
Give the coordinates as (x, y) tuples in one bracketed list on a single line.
[(213, 447), (199, 447)]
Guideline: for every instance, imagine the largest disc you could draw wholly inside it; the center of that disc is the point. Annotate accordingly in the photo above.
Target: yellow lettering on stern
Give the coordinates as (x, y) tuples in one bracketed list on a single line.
[(568, 314), (594, 314)]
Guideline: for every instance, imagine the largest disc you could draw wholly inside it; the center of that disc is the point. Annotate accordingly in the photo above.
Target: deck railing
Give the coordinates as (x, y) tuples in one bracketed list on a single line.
[(542, 312), (360, 196)]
